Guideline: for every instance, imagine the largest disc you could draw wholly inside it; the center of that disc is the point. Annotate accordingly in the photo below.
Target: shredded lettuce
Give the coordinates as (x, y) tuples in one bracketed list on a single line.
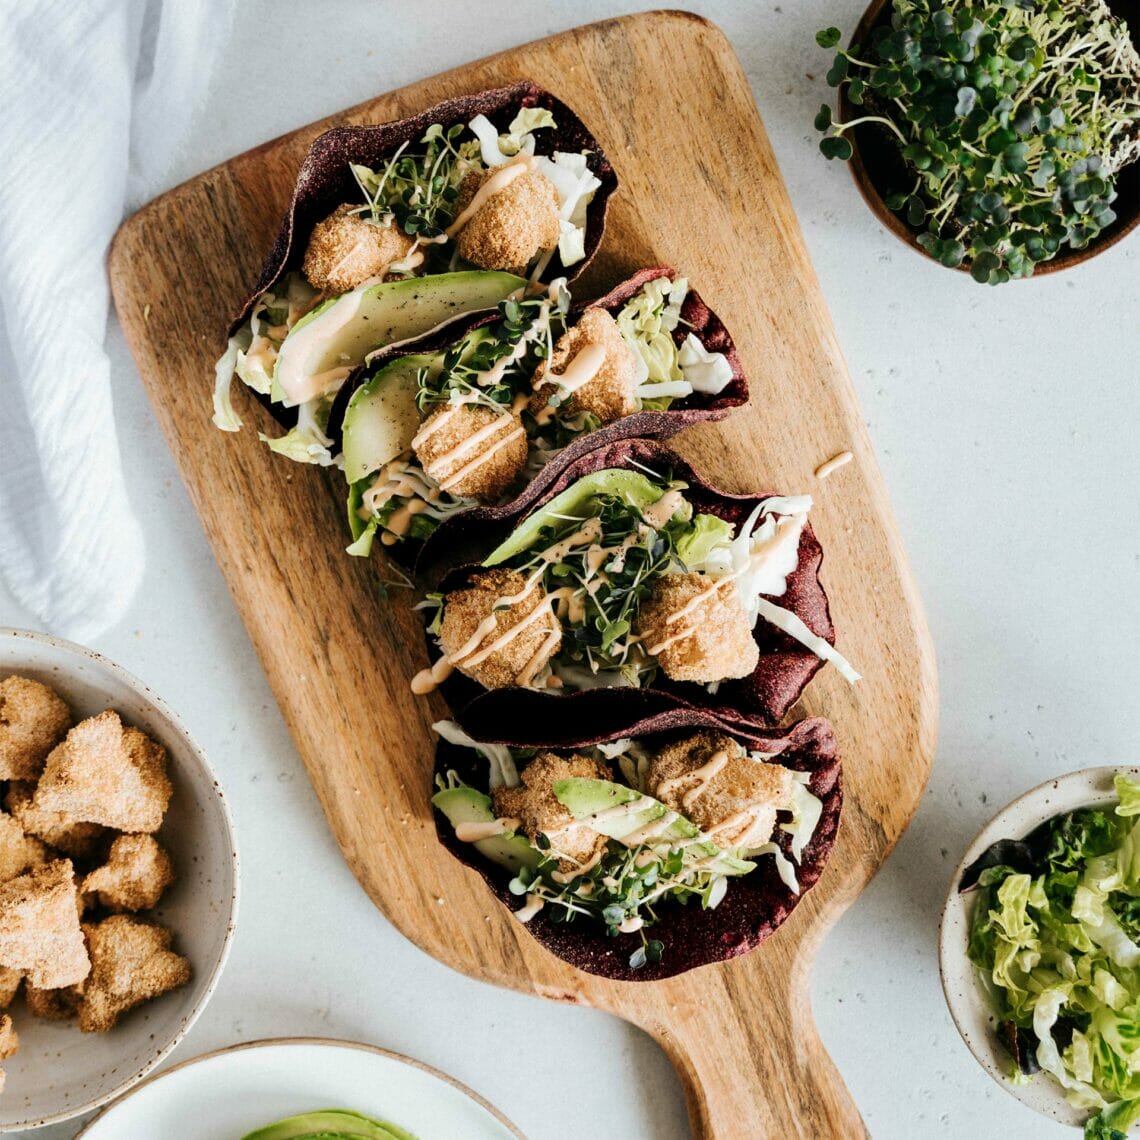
[(504, 773), (1055, 940), (708, 533), (646, 323), (300, 445), (225, 417)]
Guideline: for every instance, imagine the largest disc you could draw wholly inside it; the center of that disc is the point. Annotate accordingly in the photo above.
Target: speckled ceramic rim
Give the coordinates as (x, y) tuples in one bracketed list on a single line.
[(132, 682), (969, 1004), (332, 1042)]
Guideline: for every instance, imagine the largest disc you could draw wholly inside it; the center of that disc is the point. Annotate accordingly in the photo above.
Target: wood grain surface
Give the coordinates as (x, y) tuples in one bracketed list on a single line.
[(700, 189)]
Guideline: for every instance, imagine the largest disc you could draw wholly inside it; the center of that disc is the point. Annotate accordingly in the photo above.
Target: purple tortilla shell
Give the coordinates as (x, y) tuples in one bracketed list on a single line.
[(755, 904), (696, 318), (325, 181), (785, 667)]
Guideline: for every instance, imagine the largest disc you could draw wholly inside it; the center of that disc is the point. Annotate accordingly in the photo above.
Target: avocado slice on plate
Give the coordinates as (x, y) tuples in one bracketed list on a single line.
[(330, 1124)]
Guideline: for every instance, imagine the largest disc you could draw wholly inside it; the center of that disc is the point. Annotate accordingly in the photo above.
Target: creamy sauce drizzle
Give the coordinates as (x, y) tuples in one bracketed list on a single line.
[(580, 371), (696, 781), (472, 832), (659, 513), (534, 903)]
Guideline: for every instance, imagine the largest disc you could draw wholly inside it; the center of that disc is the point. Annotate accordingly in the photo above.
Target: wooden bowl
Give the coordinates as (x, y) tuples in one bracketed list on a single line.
[(878, 168)]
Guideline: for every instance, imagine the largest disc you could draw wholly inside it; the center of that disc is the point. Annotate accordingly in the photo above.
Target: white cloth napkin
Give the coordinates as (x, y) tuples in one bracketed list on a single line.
[(96, 96)]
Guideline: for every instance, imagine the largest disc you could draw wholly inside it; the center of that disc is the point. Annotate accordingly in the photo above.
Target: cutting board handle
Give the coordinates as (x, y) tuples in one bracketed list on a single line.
[(750, 1075)]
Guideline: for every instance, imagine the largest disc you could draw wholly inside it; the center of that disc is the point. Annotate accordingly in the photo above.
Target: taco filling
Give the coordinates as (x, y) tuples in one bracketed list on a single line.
[(477, 208), (467, 422), (618, 835), (618, 579)]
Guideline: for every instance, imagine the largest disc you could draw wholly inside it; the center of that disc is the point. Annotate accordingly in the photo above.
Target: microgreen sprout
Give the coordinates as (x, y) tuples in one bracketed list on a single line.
[(1012, 117)]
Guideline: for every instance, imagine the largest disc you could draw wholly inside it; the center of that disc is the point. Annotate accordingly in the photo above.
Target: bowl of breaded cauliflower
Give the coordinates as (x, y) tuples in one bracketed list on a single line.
[(118, 880)]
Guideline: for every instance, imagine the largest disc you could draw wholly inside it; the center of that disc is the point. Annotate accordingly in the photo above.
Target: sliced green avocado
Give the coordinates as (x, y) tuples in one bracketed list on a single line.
[(469, 805), (382, 417), (342, 332), (586, 798), (579, 500), (330, 1124)]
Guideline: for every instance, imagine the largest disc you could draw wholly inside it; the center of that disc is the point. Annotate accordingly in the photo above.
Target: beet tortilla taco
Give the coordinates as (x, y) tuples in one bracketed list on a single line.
[(471, 413), (397, 228), (660, 838), (626, 569)]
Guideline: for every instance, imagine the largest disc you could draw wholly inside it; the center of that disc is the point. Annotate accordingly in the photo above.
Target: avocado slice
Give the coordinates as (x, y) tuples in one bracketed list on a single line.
[(330, 1124), (579, 500), (584, 799), (382, 417), (468, 805), (341, 332)]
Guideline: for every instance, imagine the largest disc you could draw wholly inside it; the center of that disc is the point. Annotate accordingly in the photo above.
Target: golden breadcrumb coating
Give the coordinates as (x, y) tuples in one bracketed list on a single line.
[(9, 1038), (717, 642), (610, 393), (107, 774), (54, 1005), (18, 852), (131, 962), (346, 249), (737, 802), (465, 610), (10, 981), (483, 470), (33, 720), (137, 871), (39, 927), (512, 227), (534, 804), (79, 840)]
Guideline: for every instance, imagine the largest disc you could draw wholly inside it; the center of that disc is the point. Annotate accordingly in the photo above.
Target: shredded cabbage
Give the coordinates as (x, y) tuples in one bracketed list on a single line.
[(504, 774), (225, 417), (1055, 939), (704, 371)]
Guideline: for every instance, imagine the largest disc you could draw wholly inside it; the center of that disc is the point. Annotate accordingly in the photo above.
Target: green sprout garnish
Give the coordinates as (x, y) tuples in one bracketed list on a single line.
[(1012, 118)]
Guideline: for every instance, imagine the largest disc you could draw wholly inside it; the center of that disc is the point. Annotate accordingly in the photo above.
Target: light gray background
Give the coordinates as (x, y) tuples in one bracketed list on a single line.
[(1005, 421)]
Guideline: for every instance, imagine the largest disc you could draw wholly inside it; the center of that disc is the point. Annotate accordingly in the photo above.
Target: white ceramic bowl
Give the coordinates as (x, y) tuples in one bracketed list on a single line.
[(969, 1004), (59, 1072)]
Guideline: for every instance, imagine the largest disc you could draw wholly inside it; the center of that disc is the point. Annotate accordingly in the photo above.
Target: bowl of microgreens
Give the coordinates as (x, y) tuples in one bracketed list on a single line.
[(996, 136), (1039, 950)]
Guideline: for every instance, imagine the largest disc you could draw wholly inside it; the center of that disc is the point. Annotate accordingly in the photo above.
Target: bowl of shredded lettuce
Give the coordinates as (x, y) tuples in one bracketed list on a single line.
[(1040, 950)]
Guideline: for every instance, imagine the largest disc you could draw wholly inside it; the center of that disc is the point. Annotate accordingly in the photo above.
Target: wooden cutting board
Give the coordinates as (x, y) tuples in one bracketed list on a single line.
[(700, 189)]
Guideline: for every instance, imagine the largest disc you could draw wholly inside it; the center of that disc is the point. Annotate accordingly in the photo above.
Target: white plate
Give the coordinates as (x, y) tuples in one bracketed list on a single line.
[(59, 1072), (224, 1095), (969, 1004)]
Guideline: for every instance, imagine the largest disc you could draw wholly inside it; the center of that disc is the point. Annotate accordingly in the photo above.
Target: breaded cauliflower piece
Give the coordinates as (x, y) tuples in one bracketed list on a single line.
[(610, 394), (131, 962), (346, 249), (137, 871), (534, 805), (18, 852), (513, 226), (711, 780), (79, 840), (33, 720), (9, 1038), (54, 1005), (471, 450), (465, 610), (39, 927), (107, 774), (9, 985), (711, 642)]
